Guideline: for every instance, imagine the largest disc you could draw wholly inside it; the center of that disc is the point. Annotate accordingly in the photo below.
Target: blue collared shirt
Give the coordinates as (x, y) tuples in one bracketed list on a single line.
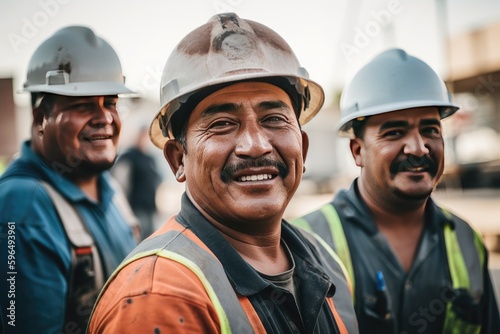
[(31, 235)]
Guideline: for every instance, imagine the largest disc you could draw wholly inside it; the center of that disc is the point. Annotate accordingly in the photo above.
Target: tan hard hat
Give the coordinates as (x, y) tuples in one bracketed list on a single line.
[(224, 50)]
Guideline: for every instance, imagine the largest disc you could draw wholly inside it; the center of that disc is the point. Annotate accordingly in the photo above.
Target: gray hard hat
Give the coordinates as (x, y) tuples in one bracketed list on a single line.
[(75, 62), (392, 81), (224, 50)]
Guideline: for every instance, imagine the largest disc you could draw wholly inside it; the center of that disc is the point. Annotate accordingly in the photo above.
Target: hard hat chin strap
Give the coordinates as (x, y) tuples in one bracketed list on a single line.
[(36, 99)]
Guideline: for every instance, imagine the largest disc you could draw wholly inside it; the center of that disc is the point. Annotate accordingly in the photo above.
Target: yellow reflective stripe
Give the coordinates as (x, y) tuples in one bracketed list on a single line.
[(224, 322), (303, 224), (340, 241), (459, 276), (456, 262), (338, 260), (455, 325), (225, 328), (120, 267)]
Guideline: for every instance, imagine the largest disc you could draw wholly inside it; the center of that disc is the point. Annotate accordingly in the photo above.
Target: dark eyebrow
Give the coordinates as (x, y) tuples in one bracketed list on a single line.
[(275, 104), (430, 121), (393, 124), (230, 107), (216, 108)]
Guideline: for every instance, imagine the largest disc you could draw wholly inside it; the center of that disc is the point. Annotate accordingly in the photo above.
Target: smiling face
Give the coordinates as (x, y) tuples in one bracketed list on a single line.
[(245, 154), (79, 135), (401, 155)]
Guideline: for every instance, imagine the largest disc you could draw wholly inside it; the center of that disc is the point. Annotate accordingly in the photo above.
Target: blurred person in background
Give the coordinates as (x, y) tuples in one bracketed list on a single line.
[(233, 99), (137, 173), (64, 227), (415, 267)]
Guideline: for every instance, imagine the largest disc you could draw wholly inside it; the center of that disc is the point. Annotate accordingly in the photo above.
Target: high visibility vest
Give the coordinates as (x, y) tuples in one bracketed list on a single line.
[(230, 312), (464, 250)]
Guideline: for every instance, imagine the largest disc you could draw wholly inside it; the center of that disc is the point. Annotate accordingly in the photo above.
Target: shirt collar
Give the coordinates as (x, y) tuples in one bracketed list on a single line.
[(244, 278), (55, 175), (356, 211)]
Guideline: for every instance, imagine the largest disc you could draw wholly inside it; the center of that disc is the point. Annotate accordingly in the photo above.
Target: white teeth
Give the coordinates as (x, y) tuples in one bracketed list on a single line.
[(416, 169), (259, 177)]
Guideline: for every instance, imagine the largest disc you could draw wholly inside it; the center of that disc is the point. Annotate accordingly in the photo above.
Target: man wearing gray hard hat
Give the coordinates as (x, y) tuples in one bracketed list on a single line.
[(64, 226), (415, 267), (233, 97)]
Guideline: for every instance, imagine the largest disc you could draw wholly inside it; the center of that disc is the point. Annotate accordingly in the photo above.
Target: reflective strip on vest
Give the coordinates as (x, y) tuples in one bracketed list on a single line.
[(328, 227), (339, 238), (205, 266), (346, 321), (464, 250), (466, 256)]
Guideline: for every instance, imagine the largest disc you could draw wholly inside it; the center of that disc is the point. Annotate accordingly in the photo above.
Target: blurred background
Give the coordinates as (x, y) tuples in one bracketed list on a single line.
[(460, 39)]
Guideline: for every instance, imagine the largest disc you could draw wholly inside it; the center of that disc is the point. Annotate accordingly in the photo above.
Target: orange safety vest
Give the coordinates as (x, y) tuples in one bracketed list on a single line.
[(235, 313)]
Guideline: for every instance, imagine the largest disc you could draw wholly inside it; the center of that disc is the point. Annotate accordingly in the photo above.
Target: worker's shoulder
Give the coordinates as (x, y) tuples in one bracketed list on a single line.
[(156, 274), (18, 184), (465, 231), (458, 221), (152, 290), (22, 198)]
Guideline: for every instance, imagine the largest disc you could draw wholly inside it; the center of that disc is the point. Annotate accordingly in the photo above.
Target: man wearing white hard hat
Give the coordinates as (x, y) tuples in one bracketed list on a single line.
[(64, 226), (233, 98), (415, 266)]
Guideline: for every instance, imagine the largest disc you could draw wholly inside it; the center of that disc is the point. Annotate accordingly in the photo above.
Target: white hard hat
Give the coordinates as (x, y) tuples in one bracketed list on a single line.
[(392, 81), (224, 50), (75, 62)]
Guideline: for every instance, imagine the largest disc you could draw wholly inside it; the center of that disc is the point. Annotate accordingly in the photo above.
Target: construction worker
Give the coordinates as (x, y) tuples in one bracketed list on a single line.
[(232, 95), (64, 227), (415, 267)]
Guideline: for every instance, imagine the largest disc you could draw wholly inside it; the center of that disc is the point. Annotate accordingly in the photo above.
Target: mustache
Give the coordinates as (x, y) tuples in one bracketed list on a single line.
[(413, 161), (229, 170)]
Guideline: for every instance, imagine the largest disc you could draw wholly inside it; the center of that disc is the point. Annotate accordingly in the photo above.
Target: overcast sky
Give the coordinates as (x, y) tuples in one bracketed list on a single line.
[(331, 38)]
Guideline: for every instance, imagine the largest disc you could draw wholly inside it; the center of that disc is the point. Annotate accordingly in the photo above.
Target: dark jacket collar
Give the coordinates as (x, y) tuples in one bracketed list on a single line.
[(353, 209), (244, 278), (31, 165)]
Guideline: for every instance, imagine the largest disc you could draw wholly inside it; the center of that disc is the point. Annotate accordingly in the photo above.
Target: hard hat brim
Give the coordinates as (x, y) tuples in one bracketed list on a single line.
[(445, 110), (317, 98), (98, 88)]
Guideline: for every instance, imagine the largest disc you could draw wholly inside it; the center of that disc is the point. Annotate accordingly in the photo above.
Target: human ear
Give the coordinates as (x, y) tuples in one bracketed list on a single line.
[(174, 154), (305, 146), (39, 121), (356, 146)]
